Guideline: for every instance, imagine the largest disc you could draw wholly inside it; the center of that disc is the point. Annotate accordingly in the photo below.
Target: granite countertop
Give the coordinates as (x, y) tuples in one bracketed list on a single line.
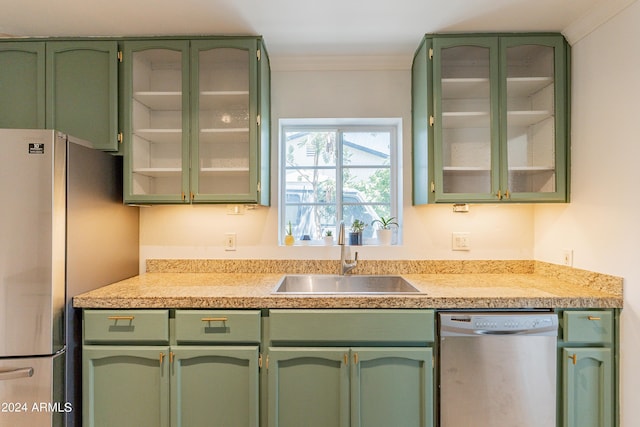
[(442, 285)]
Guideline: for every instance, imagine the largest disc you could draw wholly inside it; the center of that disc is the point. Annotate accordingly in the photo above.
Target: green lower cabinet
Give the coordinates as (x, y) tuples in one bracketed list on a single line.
[(343, 386), (308, 387), (588, 387), (125, 386), (391, 387), (214, 386)]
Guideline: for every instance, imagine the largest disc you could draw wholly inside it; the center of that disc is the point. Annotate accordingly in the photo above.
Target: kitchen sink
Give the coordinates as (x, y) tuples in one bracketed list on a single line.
[(336, 284)]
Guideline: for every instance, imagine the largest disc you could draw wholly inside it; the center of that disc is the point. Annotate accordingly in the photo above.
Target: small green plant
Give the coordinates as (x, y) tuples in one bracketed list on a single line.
[(289, 232), (328, 233), (357, 226), (385, 224)]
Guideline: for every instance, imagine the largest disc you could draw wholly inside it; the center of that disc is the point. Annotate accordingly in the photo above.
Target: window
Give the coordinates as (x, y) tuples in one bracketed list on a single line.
[(331, 173)]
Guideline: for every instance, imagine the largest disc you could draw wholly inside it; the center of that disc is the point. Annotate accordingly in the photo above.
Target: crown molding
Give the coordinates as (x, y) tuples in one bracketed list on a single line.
[(602, 12), (341, 63)]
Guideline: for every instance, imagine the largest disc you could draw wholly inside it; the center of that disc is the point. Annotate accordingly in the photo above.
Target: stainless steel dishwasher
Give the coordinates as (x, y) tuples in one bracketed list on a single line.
[(498, 369)]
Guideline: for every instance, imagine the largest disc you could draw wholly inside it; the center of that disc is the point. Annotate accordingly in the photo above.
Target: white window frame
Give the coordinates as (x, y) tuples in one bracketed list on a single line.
[(392, 125)]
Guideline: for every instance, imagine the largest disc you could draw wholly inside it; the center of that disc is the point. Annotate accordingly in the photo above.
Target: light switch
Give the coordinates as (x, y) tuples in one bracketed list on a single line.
[(461, 241), (230, 242)]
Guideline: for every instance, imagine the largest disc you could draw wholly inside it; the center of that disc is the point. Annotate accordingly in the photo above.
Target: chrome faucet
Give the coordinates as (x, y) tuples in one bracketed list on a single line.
[(346, 264)]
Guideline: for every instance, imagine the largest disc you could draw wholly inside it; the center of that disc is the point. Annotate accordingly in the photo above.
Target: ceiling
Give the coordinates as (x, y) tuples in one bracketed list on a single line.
[(297, 27)]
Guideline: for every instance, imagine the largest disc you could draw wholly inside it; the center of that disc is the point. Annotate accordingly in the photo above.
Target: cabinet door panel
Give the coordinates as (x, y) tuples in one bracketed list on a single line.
[(223, 126), (308, 387), (215, 386), (156, 116), (466, 116), (82, 91), (391, 386), (22, 85), (588, 387), (125, 386), (533, 133)]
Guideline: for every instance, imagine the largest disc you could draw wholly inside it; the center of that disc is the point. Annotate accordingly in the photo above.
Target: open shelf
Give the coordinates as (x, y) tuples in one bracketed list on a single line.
[(160, 101), (466, 119), (158, 172), (465, 88), (164, 136), (526, 86), (527, 118)]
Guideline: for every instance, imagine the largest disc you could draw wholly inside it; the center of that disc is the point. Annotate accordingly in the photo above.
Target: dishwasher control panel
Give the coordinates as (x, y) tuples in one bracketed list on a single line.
[(499, 323)]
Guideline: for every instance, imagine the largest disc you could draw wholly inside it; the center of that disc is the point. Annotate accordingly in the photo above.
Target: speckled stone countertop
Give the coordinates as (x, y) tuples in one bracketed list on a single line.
[(443, 284)]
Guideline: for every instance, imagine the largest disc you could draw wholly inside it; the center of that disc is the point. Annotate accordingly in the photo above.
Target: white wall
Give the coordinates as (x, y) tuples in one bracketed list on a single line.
[(601, 224), (497, 232)]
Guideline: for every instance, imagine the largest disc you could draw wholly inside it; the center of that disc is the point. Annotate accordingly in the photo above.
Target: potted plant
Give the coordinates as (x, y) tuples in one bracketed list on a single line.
[(355, 236), (328, 237), (288, 238), (385, 232)]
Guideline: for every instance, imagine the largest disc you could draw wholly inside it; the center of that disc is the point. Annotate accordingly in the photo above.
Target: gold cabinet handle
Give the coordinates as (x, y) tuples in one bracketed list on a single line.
[(172, 356), (214, 319), (499, 195), (116, 318), (507, 194), (574, 358), (593, 317), (161, 357), (355, 358), (346, 359)]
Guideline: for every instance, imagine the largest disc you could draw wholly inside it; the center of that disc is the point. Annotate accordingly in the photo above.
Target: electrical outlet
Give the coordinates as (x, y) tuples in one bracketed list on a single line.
[(230, 242), (567, 257), (461, 241)]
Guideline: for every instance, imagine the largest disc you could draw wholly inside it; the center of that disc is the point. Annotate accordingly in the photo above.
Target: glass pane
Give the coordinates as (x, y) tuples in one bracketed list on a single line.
[(530, 119), (157, 122), (304, 148), (366, 148), (310, 182), (311, 220), (224, 121), (466, 119)]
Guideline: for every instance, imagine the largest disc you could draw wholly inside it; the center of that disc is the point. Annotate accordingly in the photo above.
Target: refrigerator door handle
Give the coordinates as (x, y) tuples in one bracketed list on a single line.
[(16, 373)]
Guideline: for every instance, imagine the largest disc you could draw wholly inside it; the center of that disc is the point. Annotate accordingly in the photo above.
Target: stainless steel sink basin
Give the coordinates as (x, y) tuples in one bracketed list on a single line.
[(336, 284)]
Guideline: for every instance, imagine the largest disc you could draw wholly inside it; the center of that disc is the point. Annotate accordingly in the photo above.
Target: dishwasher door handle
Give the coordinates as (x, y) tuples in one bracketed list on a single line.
[(489, 332)]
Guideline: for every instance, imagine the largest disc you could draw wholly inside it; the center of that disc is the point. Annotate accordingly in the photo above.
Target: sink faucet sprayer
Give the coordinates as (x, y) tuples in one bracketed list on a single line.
[(346, 264)]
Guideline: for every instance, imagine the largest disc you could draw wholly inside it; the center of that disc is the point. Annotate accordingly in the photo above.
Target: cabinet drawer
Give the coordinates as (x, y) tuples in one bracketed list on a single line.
[(217, 326), (588, 326), (126, 326), (352, 326)]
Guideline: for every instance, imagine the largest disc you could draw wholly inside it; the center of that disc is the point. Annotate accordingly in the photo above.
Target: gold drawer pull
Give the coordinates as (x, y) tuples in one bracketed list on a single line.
[(593, 318), (116, 318), (574, 358), (214, 319)]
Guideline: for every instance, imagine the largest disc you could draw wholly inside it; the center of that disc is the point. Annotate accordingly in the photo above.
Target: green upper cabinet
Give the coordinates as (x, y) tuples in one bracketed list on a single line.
[(82, 91), (490, 119), (22, 83), (81, 95), (194, 119), (156, 121)]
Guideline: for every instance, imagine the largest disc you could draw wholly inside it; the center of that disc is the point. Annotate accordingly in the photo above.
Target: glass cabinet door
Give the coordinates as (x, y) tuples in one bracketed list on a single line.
[(223, 156), (157, 108), (465, 89), (530, 134)]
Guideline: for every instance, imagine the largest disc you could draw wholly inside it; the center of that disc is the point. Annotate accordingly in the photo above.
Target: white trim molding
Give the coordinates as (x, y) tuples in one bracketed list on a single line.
[(340, 63), (602, 12)]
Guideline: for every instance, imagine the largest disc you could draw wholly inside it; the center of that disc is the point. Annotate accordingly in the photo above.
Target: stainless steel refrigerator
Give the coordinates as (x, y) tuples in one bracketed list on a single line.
[(63, 230)]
